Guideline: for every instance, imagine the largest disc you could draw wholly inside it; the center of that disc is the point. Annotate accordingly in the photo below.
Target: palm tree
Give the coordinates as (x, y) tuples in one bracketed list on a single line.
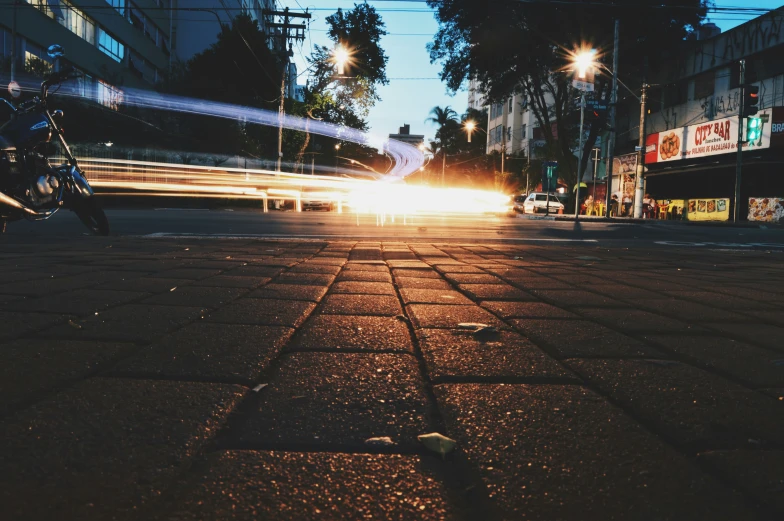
[(446, 119)]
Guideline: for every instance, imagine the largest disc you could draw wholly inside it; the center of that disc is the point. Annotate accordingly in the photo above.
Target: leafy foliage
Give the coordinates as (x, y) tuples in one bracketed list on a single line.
[(525, 47)]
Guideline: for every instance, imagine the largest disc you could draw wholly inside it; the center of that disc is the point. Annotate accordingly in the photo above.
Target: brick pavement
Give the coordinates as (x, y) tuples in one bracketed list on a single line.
[(181, 379)]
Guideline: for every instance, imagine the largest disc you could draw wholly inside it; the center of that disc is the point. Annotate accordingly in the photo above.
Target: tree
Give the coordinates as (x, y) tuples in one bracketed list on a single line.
[(474, 40), (359, 32)]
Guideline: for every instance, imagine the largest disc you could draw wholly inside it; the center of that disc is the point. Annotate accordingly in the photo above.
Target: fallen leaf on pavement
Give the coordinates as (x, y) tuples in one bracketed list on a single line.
[(437, 443)]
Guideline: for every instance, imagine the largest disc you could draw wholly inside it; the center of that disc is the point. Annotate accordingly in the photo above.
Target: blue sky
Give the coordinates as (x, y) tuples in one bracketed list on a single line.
[(411, 26)]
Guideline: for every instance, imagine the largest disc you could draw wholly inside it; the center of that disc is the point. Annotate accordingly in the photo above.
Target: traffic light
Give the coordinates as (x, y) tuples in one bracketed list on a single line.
[(549, 176), (750, 100), (753, 129)]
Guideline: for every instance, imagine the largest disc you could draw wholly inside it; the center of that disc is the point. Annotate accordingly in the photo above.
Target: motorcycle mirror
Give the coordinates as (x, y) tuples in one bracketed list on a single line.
[(57, 114), (55, 51)]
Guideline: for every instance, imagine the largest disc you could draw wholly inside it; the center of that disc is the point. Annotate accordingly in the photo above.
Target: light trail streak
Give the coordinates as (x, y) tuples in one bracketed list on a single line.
[(406, 158)]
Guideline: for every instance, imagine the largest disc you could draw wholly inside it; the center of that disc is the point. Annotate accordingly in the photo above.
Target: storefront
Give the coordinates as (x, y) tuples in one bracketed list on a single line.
[(698, 162)]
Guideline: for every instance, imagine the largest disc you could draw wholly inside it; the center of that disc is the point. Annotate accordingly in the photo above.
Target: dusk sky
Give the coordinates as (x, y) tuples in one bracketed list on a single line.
[(414, 86)]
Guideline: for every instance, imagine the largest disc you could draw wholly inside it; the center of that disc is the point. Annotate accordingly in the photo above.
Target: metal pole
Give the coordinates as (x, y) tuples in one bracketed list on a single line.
[(443, 167), (528, 170), (579, 158), (595, 168), (739, 161), (613, 102), (13, 45), (640, 182), (281, 113), (503, 138)]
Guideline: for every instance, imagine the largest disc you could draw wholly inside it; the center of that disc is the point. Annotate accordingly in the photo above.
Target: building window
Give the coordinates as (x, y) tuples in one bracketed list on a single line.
[(109, 46), (68, 16), (510, 105), (524, 131), (108, 96), (119, 5), (496, 110)]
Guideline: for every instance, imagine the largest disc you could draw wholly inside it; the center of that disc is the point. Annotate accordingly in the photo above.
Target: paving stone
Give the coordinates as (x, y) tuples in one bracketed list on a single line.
[(326, 260), (29, 367), (422, 283), (777, 394), (363, 288), (202, 296), (765, 335), (209, 351), (636, 321), (146, 284), (264, 312), (420, 273), (456, 355), (757, 366), (540, 283), (409, 265), (294, 486), (318, 268), (458, 268), (690, 311), (188, 273), (365, 276), (381, 267), (755, 472), (361, 305), (306, 279), (691, 407), (339, 401), (580, 338), (539, 448), (15, 324), (341, 332), (438, 316), (722, 301), (526, 310), (255, 271), (577, 298), (78, 302), (433, 296), (128, 323), (290, 292), (105, 447), (472, 278), (776, 317), (230, 281), (40, 287), (495, 292)]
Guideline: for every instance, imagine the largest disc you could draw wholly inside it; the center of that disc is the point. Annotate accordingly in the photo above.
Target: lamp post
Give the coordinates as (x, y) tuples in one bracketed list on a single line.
[(337, 147), (583, 63)]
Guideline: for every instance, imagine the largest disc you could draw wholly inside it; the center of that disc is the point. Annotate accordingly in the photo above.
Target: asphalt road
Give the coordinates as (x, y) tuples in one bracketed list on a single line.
[(331, 225)]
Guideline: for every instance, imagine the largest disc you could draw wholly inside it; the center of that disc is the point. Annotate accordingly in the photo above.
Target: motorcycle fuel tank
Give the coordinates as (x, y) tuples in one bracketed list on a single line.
[(27, 130)]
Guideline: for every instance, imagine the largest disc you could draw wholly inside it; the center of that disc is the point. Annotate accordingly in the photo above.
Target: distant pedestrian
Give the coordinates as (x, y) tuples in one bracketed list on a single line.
[(614, 205), (627, 204)]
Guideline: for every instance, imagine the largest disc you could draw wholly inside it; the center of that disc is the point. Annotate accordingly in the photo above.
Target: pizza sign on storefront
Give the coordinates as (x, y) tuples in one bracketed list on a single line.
[(705, 139)]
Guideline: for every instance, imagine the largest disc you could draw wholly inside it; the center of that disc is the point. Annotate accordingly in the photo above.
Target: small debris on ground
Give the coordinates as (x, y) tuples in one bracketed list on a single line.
[(259, 387), (383, 441), (437, 443)]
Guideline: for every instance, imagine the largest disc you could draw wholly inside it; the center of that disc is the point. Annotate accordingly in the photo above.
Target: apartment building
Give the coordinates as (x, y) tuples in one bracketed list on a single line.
[(115, 43), (196, 23)]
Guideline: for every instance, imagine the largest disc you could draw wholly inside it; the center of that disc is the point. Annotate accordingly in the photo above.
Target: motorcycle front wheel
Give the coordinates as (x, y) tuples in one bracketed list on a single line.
[(92, 215)]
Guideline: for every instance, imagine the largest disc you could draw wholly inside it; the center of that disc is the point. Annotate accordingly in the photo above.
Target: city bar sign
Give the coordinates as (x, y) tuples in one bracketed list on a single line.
[(704, 139)]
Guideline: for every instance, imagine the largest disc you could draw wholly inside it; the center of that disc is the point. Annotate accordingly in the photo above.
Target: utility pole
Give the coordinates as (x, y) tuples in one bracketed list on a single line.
[(580, 157), (739, 160), (613, 102), (287, 31), (13, 44), (503, 138), (528, 170), (640, 188), (596, 160)]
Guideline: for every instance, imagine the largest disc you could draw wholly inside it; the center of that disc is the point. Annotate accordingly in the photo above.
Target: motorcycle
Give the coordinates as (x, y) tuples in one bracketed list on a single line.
[(30, 187)]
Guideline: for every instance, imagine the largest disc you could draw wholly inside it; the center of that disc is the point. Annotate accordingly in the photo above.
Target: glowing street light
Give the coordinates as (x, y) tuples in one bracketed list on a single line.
[(341, 57), (583, 63), (470, 126)]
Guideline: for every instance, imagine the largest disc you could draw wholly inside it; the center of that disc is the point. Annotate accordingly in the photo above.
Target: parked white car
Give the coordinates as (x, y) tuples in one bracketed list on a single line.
[(536, 202)]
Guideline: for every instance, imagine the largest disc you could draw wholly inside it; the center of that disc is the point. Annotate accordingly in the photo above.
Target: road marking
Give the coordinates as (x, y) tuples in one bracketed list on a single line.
[(347, 236)]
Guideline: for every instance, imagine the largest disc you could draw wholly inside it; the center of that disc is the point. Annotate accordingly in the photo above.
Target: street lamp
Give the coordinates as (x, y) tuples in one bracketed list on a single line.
[(337, 147), (341, 56), (470, 126), (583, 63)]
